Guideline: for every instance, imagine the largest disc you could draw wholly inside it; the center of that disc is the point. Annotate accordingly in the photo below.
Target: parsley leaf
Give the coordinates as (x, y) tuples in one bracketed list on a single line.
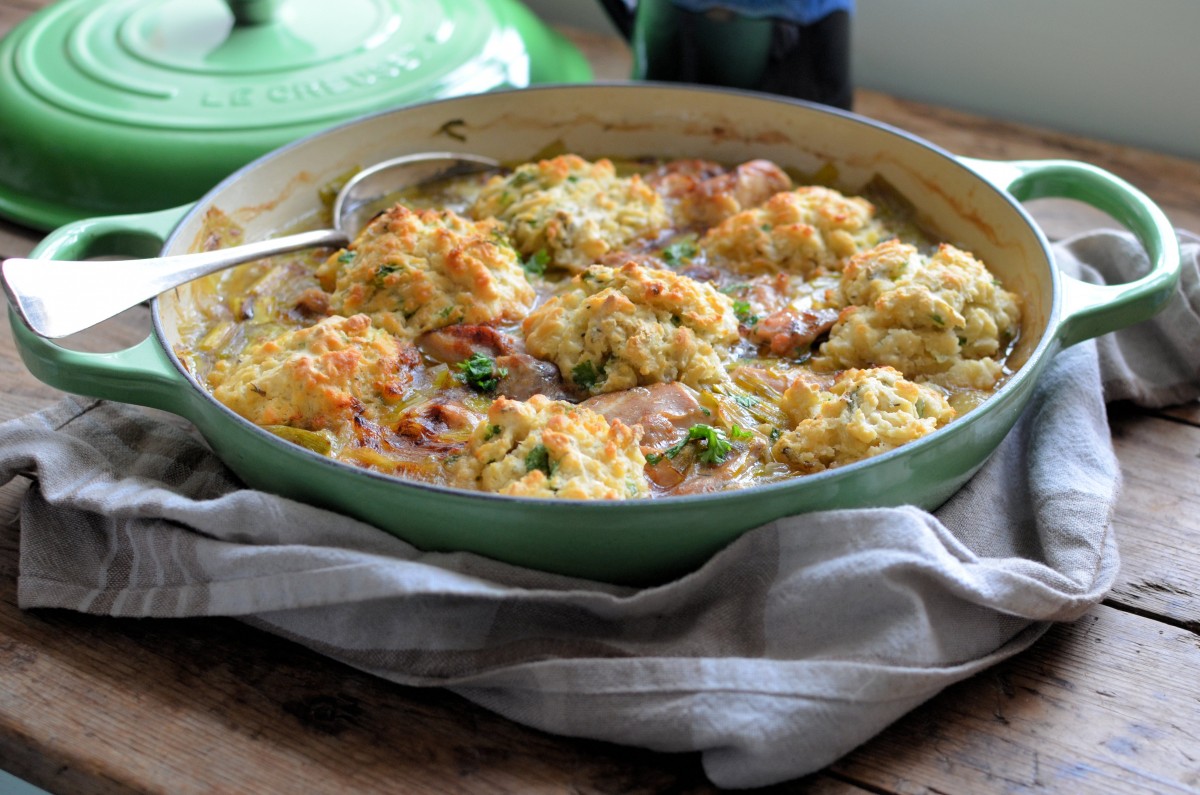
[(480, 372), (383, 272), (737, 432), (679, 251), (520, 179), (539, 459), (744, 315), (585, 375), (535, 264), (716, 444)]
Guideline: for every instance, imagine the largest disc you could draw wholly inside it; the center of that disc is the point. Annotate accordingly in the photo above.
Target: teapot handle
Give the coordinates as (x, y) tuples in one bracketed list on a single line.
[(621, 12), (253, 12)]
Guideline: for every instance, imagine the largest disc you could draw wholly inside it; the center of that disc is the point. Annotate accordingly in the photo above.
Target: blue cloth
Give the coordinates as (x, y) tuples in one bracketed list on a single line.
[(803, 12)]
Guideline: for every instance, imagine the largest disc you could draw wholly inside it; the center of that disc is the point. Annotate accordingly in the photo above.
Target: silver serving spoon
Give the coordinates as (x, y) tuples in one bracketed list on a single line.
[(57, 298)]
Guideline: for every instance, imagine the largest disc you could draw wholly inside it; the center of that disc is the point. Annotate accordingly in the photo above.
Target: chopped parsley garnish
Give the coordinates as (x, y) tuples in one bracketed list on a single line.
[(747, 401), (539, 459), (346, 257), (585, 375), (716, 444), (679, 252), (492, 432), (521, 179), (774, 435), (536, 263), (739, 433), (480, 372), (744, 315), (384, 271), (938, 319), (653, 458)]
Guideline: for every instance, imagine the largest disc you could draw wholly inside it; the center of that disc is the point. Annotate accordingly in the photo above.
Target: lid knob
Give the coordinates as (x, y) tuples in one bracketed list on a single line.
[(253, 12)]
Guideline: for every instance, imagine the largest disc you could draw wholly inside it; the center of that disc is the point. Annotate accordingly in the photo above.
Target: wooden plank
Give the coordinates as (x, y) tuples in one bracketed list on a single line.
[(1158, 516), (1171, 181), (23, 393), (1095, 707), (1188, 413), (106, 705), (16, 241), (1107, 705)]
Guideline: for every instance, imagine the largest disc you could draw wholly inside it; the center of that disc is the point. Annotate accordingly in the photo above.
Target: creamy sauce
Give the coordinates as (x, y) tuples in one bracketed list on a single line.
[(783, 404)]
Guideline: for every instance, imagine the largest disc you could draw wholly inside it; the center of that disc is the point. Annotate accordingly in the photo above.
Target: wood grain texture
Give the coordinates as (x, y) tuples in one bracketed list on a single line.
[(1109, 704), (1170, 181), (1158, 516), (1101, 705)]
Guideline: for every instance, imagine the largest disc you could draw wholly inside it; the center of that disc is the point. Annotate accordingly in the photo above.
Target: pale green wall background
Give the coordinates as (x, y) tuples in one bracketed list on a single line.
[(1121, 70)]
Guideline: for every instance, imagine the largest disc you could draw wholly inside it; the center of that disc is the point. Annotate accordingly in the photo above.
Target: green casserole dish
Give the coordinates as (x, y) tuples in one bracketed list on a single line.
[(974, 204)]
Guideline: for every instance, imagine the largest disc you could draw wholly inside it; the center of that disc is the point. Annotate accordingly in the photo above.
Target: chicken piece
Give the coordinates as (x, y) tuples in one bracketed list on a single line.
[(702, 193), (663, 410), (666, 413), (525, 376), (435, 425), (457, 343), (702, 479), (313, 302), (790, 332)]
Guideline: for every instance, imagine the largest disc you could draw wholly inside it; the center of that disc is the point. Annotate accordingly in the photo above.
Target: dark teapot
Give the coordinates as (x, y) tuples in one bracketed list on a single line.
[(799, 48)]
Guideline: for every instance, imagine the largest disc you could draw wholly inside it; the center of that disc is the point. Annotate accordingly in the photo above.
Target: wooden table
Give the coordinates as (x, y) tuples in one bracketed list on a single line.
[(1110, 703)]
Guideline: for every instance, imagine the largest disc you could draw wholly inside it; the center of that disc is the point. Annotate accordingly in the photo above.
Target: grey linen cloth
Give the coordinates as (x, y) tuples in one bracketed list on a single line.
[(792, 646)]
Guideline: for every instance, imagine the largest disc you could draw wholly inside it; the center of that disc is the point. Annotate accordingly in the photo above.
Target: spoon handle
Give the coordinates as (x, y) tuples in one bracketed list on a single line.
[(57, 298)]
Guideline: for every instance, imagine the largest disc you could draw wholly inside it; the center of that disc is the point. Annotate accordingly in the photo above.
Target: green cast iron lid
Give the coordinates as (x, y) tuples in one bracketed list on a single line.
[(136, 105)]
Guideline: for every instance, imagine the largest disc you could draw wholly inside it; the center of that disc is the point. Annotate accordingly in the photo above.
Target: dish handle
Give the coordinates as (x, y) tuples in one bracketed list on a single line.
[(1090, 310), (140, 374)]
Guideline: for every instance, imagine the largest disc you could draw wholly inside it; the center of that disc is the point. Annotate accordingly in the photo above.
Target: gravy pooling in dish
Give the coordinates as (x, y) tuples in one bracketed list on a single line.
[(570, 329)]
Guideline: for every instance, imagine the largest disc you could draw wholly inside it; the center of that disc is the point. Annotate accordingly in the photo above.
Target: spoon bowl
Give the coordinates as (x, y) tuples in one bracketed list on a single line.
[(57, 298)]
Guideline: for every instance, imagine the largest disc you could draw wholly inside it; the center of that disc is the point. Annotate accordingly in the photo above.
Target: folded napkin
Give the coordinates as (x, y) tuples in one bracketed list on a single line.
[(795, 644)]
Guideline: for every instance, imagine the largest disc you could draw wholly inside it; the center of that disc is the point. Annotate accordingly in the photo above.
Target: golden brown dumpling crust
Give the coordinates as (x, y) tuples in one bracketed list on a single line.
[(573, 210), (803, 232), (863, 414), (617, 328), (942, 318), (415, 271), (317, 378), (550, 448)]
